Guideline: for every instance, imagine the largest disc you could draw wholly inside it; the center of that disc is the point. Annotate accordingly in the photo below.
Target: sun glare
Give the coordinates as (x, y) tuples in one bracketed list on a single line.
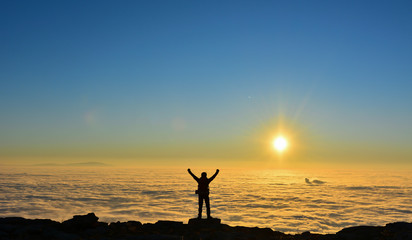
[(280, 143)]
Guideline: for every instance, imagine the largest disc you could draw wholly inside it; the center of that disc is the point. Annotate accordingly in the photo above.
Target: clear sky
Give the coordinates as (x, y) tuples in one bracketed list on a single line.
[(165, 80)]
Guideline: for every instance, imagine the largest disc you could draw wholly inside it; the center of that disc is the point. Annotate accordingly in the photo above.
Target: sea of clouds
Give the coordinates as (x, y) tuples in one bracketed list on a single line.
[(284, 200)]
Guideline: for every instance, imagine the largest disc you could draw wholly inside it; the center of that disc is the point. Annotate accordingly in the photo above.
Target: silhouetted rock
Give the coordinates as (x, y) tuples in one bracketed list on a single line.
[(360, 232), (204, 221), (133, 226), (169, 226), (88, 227), (130, 227), (82, 221), (398, 230)]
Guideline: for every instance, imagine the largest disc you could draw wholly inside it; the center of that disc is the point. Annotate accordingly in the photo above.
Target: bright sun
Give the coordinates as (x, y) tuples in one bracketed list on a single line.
[(280, 143)]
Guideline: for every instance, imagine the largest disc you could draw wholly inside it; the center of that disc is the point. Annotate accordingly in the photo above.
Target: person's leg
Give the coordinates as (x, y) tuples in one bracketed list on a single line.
[(200, 206), (207, 206)]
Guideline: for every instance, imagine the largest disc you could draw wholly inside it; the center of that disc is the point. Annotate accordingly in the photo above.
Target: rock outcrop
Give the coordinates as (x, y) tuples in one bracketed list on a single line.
[(88, 227), (203, 221)]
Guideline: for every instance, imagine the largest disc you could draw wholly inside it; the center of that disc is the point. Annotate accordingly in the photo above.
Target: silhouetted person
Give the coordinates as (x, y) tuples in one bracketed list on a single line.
[(203, 190)]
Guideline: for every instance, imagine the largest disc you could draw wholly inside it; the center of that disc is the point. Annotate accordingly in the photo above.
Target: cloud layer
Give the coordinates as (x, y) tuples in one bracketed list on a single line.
[(281, 200)]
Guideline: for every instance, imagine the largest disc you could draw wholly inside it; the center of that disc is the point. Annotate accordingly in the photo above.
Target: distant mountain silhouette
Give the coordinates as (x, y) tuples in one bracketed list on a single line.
[(87, 164), (47, 164), (78, 164), (314, 181)]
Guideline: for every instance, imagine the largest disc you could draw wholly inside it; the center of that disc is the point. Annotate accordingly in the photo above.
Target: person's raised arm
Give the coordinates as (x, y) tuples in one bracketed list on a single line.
[(193, 176), (214, 175)]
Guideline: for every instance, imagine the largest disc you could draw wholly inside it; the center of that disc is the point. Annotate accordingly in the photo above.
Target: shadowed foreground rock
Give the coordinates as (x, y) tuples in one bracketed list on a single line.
[(202, 221), (88, 227)]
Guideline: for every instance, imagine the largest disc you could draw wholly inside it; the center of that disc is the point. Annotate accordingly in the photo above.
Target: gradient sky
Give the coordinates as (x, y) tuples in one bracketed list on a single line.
[(199, 80)]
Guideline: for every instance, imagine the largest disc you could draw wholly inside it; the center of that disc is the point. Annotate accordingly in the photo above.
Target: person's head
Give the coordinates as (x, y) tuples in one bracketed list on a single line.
[(204, 174)]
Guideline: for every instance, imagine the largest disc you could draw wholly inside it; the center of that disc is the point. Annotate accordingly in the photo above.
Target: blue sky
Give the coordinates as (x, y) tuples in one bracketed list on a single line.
[(189, 79)]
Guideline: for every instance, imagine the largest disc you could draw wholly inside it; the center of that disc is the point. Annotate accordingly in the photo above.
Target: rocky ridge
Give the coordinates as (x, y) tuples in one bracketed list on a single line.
[(88, 227)]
